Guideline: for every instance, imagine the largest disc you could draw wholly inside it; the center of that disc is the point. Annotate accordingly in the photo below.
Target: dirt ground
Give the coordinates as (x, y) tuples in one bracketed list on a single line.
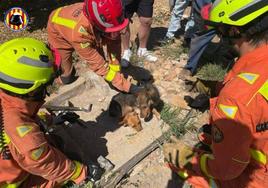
[(100, 134)]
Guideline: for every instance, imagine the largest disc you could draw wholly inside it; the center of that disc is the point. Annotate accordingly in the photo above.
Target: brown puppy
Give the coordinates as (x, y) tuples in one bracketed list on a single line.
[(147, 100), (131, 119), (125, 106)]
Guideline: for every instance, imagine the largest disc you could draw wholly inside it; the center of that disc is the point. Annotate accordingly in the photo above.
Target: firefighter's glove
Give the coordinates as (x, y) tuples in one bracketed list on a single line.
[(94, 172), (178, 154), (71, 117), (200, 102), (134, 89)]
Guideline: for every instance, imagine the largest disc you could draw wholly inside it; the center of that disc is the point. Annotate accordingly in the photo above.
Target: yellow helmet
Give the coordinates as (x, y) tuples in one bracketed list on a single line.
[(237, 12), (25, 64)]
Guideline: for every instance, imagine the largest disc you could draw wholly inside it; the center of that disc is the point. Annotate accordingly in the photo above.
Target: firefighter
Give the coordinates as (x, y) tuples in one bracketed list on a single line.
[(239, 118), (86, 28), (27, 160)]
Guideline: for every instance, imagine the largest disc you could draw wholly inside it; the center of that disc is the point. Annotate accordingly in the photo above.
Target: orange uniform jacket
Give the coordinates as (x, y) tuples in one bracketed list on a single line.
[(31, 153), (69, 30), (239, 151)]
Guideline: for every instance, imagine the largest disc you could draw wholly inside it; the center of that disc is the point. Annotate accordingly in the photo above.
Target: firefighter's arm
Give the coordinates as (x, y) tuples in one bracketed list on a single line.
[(231, 142), (32, 152), (110, 71), (114, 50)]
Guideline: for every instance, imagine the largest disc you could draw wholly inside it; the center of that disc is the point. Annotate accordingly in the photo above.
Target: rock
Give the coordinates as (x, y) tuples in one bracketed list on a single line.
[(177, 101), (161, 90), (171, 91), (171, 75), (167, 66), (174, 62)]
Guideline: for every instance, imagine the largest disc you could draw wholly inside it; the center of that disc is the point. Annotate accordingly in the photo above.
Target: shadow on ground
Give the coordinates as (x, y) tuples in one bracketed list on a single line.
[(38, 11), (174, 182), (157, 34), (138, 73), (84, 141)]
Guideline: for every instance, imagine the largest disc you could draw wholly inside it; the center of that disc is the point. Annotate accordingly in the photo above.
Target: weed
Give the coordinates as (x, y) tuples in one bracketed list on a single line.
[(212, 72), (172, 51), (172, 116)]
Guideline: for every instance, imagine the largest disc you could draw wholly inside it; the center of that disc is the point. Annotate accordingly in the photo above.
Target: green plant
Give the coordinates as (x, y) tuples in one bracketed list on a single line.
[(172, 51), (212, 72), (172, 116)]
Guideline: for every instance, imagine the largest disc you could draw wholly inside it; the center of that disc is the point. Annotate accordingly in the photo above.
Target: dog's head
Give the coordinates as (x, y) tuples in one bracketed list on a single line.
[(131, 119), (147, 99)]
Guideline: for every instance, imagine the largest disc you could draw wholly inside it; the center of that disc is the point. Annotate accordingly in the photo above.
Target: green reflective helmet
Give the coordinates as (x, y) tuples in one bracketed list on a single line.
[(25, 64), (237, 12)]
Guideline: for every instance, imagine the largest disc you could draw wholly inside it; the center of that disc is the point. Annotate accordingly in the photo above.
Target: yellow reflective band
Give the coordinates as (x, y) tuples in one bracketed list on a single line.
[(84, 45), (258, 156), (183, 174), (42, 115), (83, 31), (6, 138), (110, 75), (6, 141), (264, 90), (249, 77), (113, 69), (63, 21), (23, 130), (229, 111), (14, 185), (36, 154), (77, 170), (212, 183), (203, 164)]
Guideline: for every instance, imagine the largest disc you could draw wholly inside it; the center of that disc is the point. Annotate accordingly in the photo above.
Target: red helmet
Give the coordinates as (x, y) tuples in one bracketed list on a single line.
[(107, 15)]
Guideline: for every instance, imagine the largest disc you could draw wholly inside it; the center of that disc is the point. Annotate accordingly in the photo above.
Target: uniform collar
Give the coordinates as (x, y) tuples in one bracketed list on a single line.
[(249, 58), (28, 107), (255, 55)]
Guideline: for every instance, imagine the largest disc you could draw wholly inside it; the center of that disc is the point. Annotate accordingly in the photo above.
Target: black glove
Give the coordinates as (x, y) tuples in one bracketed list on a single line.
[(135, 89), (94, 172), (200, 102), (71, 117)]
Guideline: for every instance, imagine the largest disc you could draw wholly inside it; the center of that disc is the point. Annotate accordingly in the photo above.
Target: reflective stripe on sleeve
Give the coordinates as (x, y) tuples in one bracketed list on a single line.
[(183, 174), (113, 69), (77, 170), (203, 164), (63, 21), (258, 156)]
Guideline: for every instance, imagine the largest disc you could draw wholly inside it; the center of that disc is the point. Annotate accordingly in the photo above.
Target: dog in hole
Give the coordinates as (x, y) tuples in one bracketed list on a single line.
[(129, 108)]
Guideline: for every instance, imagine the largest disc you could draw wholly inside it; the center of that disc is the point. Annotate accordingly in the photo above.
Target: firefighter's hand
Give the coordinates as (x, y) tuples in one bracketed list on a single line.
[(65, 116), (200, 102), (94, 172), (177, 154)]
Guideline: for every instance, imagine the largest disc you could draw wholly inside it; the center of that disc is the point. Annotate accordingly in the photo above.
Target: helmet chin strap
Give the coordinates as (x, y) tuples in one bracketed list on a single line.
[(39, 94)]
